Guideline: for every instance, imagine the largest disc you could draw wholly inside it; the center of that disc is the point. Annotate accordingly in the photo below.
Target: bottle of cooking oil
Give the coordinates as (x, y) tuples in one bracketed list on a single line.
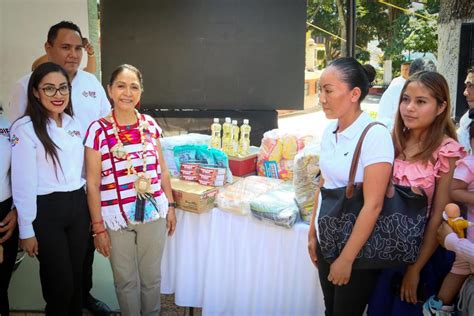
[(235, 138), (216, 134), (244, 143), (227, 136)]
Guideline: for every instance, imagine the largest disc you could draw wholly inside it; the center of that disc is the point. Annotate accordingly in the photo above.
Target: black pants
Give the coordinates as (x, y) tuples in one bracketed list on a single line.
[(350, 299), (87, 268), (10, 248), (62, 229)]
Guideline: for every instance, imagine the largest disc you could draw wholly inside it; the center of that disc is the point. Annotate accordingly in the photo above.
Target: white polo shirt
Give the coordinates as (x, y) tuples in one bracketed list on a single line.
[(337, 150), (33, 174), (5, 153), (89, 101)]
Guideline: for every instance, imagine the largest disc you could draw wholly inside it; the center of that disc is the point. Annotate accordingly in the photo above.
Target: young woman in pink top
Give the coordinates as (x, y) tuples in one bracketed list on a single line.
[(462, 190), (426, 151)]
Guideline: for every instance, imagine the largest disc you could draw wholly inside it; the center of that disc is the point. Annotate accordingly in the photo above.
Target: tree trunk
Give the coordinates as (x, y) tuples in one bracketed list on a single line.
[(451, 15), (343, 29)]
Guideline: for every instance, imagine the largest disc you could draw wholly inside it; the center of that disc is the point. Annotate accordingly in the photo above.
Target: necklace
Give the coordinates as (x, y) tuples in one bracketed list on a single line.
[(143, 183)]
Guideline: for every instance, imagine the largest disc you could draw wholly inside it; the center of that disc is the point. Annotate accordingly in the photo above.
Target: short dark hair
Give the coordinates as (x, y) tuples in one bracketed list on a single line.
[(421, 64), (353, 74), (53, 30)]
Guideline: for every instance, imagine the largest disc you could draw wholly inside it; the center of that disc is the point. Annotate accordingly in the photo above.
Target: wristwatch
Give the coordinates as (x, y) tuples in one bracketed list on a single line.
[(172, 204)]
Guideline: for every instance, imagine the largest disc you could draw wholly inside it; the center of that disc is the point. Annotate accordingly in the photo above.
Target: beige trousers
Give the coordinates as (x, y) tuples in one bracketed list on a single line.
[(136, 265)]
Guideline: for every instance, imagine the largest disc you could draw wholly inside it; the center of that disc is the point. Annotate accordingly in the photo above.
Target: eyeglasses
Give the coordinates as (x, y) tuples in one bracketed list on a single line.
[(51, 91)]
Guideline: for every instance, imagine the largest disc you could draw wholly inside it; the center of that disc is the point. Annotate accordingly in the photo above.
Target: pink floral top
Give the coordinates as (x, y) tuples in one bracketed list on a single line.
[(424, 175)]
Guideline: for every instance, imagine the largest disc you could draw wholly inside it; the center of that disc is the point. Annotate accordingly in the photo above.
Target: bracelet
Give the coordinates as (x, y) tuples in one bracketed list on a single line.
[(90, 55), (98, 222), (98, 233), (172, 204)]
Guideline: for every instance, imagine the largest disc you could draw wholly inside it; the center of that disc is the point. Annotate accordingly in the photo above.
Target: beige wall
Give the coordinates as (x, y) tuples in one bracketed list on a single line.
[(24, 25)]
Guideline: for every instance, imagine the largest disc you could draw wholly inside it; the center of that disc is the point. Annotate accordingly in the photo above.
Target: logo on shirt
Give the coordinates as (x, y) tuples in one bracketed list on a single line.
[(14, 140), (74, 133), (4, 132), (91, 94)]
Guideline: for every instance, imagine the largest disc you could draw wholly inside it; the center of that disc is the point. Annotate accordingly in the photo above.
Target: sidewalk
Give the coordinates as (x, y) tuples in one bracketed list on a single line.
[(313, 121)]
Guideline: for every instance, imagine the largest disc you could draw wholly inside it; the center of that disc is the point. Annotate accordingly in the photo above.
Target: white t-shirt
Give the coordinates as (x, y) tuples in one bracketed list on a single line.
[(463, 132), (33, 174), (389, 101), (89, 101), (5, 153), (337, 150)]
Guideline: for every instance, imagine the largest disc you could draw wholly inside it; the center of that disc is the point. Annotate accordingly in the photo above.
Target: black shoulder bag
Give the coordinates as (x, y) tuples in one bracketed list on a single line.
[(398, 232)]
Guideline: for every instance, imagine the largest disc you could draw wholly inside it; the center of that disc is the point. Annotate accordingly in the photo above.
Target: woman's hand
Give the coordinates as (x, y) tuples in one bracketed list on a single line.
[(409, 285), (312, 244), (30, 246), (7, 225), (340, 271), (102, 244), (171, 221), (443, 231)]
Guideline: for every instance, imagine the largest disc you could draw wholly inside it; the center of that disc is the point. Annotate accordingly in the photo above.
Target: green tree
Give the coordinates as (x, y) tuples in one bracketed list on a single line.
[(396, 30)]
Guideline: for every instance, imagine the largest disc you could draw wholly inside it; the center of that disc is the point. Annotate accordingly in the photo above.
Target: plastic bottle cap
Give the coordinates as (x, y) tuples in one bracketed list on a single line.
[(234, 122), (246, 121), (216, 120), (227, 119)]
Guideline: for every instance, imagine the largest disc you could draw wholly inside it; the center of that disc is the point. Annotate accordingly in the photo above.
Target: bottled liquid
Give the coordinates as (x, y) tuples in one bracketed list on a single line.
[(227, 136), (235, 138), (216, 134), (244, 143)]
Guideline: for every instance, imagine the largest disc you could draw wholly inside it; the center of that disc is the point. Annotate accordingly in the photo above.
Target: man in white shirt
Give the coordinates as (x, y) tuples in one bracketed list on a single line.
[(64, 46), (389, 101), (463, 130)]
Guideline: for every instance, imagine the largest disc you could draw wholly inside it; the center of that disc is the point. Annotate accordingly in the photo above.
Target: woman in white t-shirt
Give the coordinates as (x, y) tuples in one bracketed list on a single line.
[(343, 86)]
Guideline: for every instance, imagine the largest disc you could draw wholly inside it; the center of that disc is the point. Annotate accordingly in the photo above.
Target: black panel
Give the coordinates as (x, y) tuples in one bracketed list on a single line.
[(466, 60), (209, 54), (197, 121)]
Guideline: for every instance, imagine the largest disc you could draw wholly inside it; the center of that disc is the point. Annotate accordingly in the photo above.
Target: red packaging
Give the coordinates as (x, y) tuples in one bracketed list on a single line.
[(241, 166)]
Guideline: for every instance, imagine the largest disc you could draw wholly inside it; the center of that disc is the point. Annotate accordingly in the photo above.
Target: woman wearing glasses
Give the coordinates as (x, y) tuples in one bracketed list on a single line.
[(47, 185)]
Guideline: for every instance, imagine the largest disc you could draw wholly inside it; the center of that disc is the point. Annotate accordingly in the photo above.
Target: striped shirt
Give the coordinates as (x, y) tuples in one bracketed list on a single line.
[(117, 191)]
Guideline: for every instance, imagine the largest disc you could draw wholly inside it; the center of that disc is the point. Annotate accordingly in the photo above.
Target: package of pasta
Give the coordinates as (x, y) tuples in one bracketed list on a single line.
[(170, 142), (236, 197), (277, 152), (222, 161), (306, 179), (277, 206)]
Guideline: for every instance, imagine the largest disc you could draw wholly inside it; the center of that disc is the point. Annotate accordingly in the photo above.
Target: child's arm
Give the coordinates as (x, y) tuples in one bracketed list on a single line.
[(459, 192)]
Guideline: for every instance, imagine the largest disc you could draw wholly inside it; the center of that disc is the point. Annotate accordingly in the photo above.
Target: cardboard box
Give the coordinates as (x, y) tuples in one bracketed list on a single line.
[(192, 196)]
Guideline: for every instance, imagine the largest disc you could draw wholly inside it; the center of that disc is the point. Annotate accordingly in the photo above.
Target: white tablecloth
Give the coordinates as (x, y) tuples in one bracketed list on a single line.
[(237, 265)]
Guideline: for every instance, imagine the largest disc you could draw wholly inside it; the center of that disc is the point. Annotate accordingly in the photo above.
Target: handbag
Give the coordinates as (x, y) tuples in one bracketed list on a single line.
[(397, 234)]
